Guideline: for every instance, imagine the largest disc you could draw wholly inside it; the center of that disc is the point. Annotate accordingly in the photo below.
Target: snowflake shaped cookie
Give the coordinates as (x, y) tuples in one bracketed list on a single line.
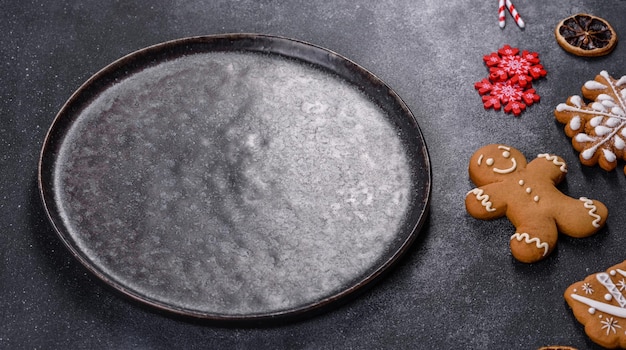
[(510, 77), (598, 128)]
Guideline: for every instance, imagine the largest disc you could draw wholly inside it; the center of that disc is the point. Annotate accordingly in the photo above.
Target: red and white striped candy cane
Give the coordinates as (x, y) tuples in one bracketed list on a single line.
[(516, 16), (501, 14)]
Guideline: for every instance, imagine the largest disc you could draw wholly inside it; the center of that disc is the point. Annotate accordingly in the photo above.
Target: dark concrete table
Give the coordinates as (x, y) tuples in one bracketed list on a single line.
[(458, 287)]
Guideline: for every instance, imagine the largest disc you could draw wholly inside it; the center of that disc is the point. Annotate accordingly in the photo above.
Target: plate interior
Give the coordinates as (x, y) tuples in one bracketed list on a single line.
[(236, 177)]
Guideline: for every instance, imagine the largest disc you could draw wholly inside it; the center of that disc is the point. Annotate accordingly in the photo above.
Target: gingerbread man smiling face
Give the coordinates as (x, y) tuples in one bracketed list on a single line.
[(492, 163), (526, 193)]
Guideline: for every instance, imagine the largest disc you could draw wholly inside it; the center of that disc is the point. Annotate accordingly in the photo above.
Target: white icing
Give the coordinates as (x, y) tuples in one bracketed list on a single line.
[(575, 123), (536, 198), (587, 288), (576, 100), (621, 81), (555, 160), (592, 310), (606, 281), (602, 130), (598, 106), (594, 85), (588, 153), (600, 306), (588, 204), (621, 284), (606, 100), (561, 107), (528, 190), (618, 111), (595, 121), (584, 138), (613, 122), (604, 97), (489, 161), (612, 272), (506, 153), (618, 142), (507, 170), (610, 325), (608, 297), (526, 238), (484, 198), (609, 156), (521, 182), (621, 272), (480, 159)]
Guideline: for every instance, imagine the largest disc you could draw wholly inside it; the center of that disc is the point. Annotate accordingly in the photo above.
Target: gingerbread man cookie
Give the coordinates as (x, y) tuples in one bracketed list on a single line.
[(526, 193)]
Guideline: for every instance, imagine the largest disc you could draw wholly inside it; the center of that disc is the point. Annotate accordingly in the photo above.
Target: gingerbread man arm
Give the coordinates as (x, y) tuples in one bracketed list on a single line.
[(552, 166), (582, 217), (481, 205), (574, 217)]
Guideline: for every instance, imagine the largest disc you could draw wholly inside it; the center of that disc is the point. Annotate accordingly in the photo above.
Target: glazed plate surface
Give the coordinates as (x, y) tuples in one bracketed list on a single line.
[(236, 177)]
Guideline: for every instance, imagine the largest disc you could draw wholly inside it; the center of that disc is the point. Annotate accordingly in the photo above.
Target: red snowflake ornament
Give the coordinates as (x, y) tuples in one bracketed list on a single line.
[(507, 64), (510, 77), (514, 97)]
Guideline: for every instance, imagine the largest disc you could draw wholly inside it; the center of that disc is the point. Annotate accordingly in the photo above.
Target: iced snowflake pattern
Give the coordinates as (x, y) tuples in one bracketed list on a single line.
[(621, 284), (587, 288), (610, 324), (597, 129), (509, 83)]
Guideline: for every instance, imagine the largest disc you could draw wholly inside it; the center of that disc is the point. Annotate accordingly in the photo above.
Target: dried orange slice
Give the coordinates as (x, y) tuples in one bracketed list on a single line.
[(586, 35)]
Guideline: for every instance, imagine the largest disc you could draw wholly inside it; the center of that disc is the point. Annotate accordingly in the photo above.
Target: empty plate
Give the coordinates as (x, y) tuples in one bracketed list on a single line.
[(236, 178)]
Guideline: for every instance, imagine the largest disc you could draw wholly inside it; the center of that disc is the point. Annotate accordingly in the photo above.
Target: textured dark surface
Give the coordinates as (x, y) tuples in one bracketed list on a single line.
[(457, 287)]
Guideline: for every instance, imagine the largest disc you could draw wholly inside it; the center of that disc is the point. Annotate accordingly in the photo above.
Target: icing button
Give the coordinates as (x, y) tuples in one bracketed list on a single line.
[(536, 199)]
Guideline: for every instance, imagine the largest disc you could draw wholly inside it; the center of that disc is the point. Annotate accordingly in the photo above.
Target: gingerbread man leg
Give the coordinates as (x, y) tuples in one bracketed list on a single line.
[(582, 218), (531, 243)]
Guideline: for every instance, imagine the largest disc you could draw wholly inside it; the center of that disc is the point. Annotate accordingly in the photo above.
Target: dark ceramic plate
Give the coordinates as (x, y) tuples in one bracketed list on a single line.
[(236, 178)]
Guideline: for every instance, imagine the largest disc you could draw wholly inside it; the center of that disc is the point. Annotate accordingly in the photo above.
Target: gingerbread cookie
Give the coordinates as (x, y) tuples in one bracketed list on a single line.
[(526, 194), (597, 128), (599, 303)]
